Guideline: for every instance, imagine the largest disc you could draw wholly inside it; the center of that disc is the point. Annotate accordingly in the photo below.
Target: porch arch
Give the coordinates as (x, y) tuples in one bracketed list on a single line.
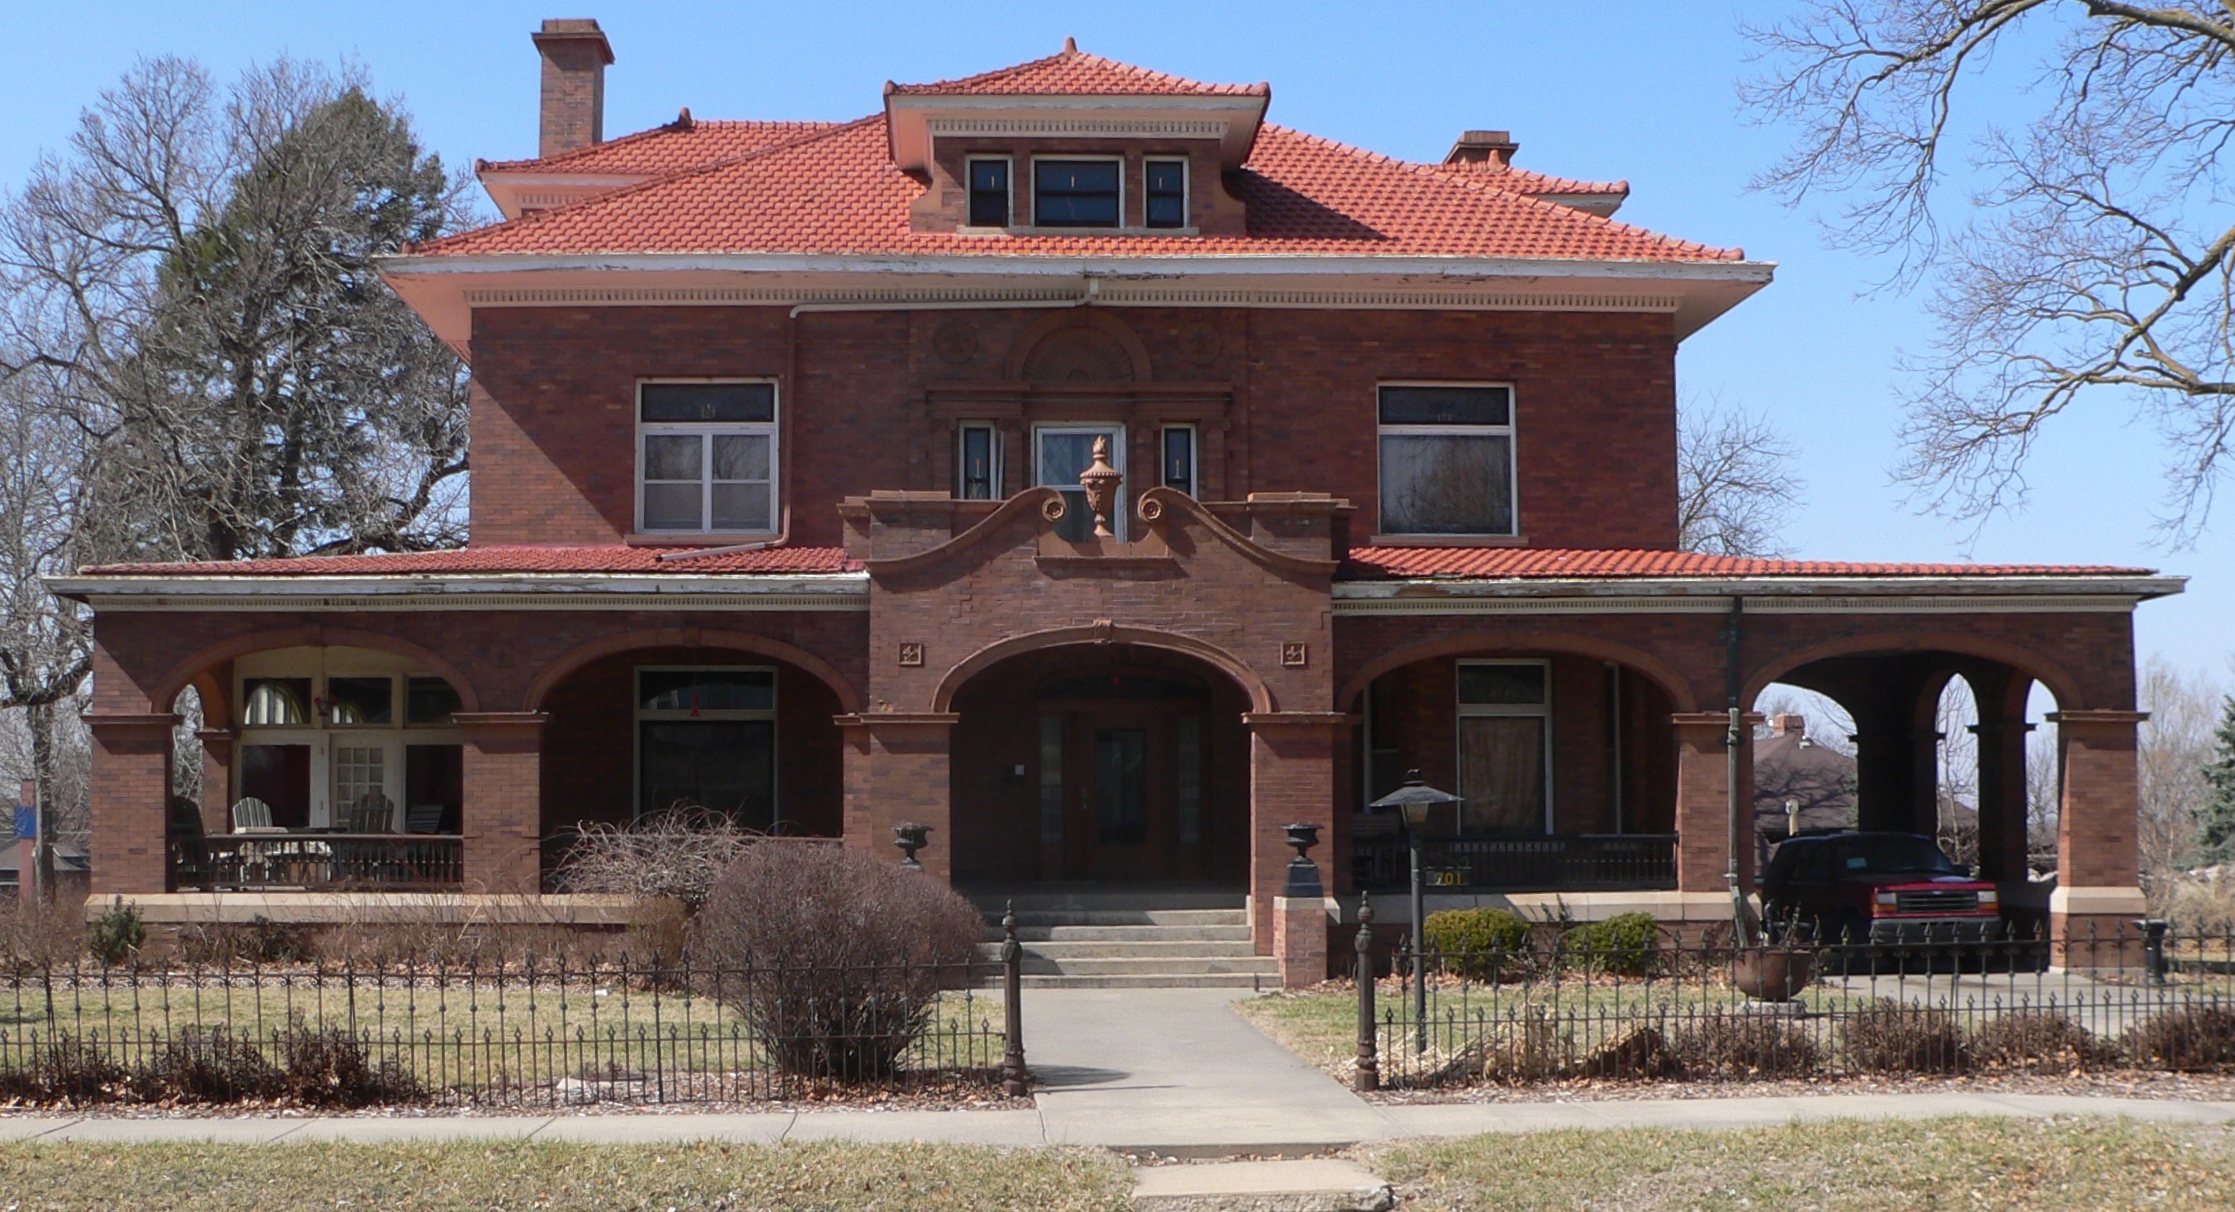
[(2063, 685), (1665, 676), (849, 698), (1260, 695), (197, 666)]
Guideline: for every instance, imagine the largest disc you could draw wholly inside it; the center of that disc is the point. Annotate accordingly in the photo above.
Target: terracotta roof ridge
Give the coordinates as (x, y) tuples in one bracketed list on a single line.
[(807, 125), (534, 217), (985, 77), (1502, 178), (1428, 172), (1071, 54)]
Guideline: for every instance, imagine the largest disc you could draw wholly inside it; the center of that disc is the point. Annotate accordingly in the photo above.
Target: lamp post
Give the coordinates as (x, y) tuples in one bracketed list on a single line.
[(1414, 800)]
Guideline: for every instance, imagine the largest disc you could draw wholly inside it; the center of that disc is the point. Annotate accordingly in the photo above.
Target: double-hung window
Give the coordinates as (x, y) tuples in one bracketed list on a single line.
[(1178, 472), (989, 192), (978, 462), (1076, 193), (706, 457), (1164, 193), (1505, 710), (1446, 459)]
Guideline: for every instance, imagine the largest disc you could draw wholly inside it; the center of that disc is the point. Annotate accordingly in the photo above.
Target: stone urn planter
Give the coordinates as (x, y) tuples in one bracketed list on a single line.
[(1772, 974)]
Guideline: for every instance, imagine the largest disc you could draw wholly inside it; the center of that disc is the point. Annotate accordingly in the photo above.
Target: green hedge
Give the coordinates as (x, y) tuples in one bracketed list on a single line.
[(1475, 941), (1627, 944)]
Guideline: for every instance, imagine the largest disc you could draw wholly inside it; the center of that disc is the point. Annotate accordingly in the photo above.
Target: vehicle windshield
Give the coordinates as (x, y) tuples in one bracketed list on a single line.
[(1893, 856)]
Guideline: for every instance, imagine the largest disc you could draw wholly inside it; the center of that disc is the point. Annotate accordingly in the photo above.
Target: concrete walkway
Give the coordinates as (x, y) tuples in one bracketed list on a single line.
[(1170, 1071)]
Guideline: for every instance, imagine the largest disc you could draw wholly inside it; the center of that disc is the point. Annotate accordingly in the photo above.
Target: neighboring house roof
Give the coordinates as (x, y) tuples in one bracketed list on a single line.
[(1073, 72), (1525, 563), (614, 558), (837, 191), (1790, 765)]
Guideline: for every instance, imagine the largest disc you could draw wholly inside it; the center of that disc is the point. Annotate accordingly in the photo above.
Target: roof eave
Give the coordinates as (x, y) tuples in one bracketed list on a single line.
[(2135, 588), (908, 116), (296, 588)]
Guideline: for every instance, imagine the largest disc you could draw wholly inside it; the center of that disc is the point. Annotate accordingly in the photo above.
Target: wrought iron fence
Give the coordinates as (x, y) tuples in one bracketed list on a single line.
[(506, 1034), (1565, 1007), (1575, 863)]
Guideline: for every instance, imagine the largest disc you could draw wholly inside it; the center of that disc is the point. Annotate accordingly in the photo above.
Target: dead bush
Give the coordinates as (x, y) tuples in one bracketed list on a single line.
[(1888, 1037), (63, 1069), (676, 852), (259, 941), (330, 1066), (37, 934), (2188, 1040), (1516, 1050), (2038, 1041), (207, 1065), (1643, 1053), (1745, 1046), (834, 958), (659, 930)]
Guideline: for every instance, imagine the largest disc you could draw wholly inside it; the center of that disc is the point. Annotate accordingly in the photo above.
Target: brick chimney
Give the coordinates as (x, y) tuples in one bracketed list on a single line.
[(575, 53), (1490, 147), (1790, 724)]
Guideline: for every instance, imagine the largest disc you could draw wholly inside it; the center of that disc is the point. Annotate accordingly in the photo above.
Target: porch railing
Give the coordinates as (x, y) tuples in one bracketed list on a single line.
[(320, 861), (1571, 863)]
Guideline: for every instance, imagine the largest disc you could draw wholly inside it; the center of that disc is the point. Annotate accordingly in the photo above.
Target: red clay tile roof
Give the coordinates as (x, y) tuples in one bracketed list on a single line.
[(1541, 563), (663, 150), (1524, 181), (469, 560), (1076, 73), (837, 191)]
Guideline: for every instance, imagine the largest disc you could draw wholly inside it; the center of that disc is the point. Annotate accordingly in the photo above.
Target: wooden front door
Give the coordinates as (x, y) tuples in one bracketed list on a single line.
[(1133, 792)]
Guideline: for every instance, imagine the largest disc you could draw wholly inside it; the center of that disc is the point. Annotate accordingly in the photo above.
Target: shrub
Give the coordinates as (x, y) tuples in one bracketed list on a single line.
[(117, 935), (207, 1065), (677, 852), (2190, 1039), (2038, 1041), (1644, 1052), (260, 941), (1745, 1046), (659, 930), (329, 1066), (826, 954), (63, 1070), (1626, 944), (1888, 1037), (1476, 942), (37, 933)]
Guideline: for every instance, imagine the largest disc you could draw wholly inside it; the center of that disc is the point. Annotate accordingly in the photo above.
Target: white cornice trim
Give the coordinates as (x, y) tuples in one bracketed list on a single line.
[(483, 591), (1022, 267), (1121, 295), (1092, 128)]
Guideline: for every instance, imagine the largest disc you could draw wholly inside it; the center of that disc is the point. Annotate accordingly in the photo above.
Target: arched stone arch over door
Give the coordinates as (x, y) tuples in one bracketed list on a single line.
[(1079, 345)]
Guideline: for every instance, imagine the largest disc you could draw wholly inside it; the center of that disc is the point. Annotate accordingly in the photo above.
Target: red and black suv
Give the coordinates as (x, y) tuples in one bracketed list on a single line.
[(1877, 888)]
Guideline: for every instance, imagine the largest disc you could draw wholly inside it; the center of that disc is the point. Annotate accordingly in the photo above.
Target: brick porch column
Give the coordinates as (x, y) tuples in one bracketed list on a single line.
[(2002, 794), (217, 778), (1703, 801), (2098, 892), (503, 811), (1291, 780), (130, 799), (897, 773)]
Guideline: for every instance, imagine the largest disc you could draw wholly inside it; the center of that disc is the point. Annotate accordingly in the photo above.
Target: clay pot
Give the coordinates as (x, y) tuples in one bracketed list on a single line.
[(1772, 974)]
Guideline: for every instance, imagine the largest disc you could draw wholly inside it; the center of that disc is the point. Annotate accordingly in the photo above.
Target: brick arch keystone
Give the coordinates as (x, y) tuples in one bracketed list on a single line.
[(1103, 631), (1678, 688), (849, 698), (197, 666), (2062, 684)]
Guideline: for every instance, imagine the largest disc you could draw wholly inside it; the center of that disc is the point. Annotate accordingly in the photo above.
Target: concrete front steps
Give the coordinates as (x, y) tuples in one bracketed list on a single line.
[(1132, 939)]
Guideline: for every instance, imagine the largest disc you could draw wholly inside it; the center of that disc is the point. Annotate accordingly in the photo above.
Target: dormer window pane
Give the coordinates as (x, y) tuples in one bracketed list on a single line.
[(1167, 193), (1075, 193), (989, 193)]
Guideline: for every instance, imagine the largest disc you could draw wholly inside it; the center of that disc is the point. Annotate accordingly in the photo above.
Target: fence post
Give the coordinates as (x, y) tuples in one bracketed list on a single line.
[(1368, 1075), (1015, 1081)]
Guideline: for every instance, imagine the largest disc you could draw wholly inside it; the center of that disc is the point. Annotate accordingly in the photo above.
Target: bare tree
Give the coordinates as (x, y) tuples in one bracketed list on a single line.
[(2096, 256), (1734, 485)]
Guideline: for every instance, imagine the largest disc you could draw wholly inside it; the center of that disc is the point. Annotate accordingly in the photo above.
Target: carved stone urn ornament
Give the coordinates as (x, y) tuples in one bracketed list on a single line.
[(1101, 484)]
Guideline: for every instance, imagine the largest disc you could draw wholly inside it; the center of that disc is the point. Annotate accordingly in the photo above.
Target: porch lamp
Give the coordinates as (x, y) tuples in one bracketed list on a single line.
[(1415, 799)]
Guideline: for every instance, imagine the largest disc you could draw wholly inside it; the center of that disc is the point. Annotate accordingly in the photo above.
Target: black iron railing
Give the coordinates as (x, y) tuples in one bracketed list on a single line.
[(319, 861), (1573, 863)]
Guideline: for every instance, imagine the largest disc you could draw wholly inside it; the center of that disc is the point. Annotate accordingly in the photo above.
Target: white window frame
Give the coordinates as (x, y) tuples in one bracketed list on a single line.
[(1510, 431), (772, 429), (993, 466), (1194, 456), (1118, 160), (1464, 711), (1187, 192), (1008, 202), (1113, 430), (638, 715)]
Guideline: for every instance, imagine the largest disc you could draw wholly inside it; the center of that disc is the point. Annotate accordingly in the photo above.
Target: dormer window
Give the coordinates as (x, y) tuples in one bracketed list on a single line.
[(989, 192), (1075, 193), (1166, 193)]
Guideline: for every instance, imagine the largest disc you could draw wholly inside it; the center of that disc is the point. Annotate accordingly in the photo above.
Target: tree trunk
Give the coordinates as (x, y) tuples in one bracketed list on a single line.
[(40, 717)]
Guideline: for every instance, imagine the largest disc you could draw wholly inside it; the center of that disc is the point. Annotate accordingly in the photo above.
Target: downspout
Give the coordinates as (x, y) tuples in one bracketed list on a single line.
[(1732, 741)]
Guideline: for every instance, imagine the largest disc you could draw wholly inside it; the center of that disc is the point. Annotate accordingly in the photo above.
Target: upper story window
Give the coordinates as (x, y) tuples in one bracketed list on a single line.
[(978, 462), (1179, 458), (1446, 459), (706, 457), (1165, 193), (989, 192), (1076, 193)]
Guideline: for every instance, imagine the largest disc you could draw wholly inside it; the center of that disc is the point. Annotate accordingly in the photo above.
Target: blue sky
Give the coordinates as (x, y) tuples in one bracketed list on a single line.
[(1641, 91)]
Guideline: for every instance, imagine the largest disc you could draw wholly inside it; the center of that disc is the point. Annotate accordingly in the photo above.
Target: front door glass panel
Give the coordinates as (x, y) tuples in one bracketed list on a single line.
[(1121, 784)]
